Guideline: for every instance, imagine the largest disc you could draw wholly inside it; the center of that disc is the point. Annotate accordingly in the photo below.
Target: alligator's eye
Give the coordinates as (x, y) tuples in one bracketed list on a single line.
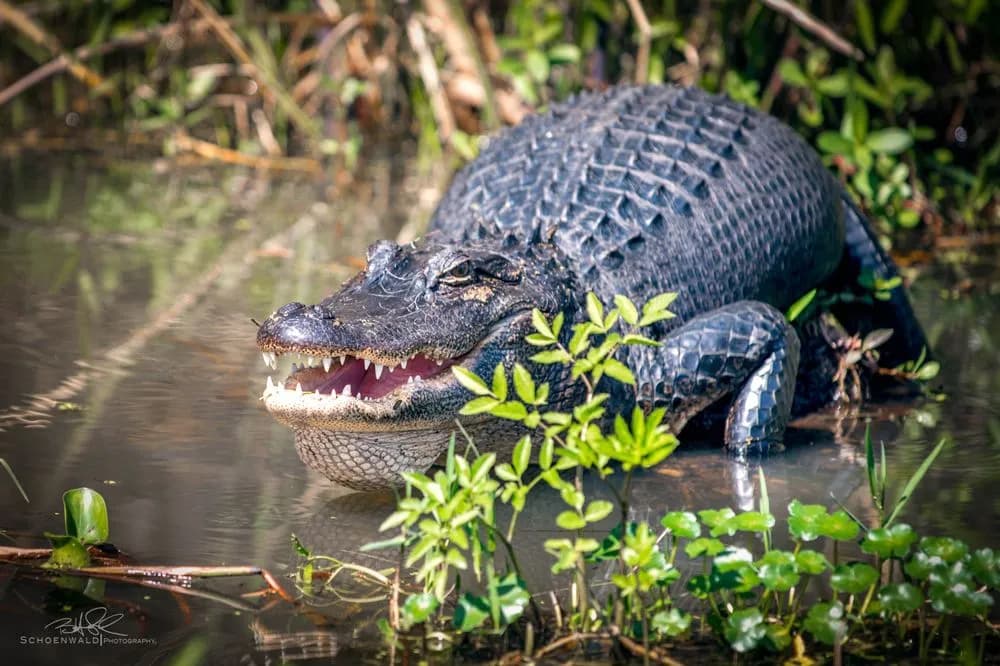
[(459, 274)]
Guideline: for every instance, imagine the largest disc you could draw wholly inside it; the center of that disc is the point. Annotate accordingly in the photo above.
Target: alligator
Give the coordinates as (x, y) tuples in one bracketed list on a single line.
[(634, 191)]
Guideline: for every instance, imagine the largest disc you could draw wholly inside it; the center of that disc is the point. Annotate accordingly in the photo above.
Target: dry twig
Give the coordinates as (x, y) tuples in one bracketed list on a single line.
[(810, 23)]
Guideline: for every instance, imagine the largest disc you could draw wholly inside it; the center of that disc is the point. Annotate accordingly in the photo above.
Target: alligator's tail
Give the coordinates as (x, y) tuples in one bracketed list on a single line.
[(864, 255)]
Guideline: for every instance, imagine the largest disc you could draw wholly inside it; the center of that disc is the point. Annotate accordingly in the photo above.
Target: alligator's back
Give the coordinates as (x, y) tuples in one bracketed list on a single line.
[(659, 189)]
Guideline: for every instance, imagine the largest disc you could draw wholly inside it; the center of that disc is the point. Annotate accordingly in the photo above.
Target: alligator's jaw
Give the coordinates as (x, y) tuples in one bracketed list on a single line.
[(353, 393)]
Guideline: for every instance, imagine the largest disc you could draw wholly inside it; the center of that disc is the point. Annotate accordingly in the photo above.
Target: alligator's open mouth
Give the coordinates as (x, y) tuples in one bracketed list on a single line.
[(346, 383), (347, 377)]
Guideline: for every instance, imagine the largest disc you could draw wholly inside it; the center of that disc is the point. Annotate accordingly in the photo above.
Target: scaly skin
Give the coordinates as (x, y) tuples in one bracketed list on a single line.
[(635, 191)]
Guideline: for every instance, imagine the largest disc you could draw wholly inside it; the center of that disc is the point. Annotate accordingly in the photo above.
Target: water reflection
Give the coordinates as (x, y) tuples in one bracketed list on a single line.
[(126, 296)]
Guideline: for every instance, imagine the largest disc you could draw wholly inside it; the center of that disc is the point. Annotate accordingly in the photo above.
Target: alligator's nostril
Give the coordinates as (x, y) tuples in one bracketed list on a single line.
[(289, 309)]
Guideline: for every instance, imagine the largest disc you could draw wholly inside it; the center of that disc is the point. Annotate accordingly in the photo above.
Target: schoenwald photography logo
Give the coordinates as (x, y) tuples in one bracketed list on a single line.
[(94, 626)]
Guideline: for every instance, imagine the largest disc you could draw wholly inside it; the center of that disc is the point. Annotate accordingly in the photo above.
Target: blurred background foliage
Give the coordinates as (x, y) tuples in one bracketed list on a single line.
[(898, 96)]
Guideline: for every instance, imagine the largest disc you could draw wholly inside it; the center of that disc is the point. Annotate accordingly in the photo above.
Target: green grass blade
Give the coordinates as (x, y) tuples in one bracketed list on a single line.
[(13, 477), (914, 481)]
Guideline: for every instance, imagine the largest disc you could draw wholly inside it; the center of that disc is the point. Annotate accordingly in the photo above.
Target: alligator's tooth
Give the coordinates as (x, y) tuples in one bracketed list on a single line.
[(418, 379), (440, 361), (378, 371), (346, 391), (390, 367), (274, 361), (402, 363), (409, 380), (298, 387), (267, 358), (333, 393), (343, 359), (327, 362), (367, 363)]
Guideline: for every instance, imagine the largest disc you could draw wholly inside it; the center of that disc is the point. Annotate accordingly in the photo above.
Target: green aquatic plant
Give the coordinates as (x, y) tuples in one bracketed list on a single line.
[(929, 593), (85, 515)]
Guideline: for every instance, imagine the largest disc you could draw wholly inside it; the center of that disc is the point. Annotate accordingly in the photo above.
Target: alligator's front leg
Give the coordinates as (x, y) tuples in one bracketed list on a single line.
[(746, 350)]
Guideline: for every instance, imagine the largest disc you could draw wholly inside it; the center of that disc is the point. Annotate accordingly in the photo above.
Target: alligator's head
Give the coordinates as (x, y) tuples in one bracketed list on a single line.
[(375, 394)]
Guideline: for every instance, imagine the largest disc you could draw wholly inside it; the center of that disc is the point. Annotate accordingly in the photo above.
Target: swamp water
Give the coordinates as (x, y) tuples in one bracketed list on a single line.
[(126, 295)]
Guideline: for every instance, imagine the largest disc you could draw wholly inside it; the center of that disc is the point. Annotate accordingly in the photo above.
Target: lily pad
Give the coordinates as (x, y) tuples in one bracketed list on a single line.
[(811, 562), (673, 622), (704, 546), (888, 542), (752, 521), (948, 549), (900, 598), (470, 612), (853, 578), (682, 524), (985, 565), (804, 520), (826, 622), (717, 520), (418, 608), (778, 571), (745, 629), (922, 565)]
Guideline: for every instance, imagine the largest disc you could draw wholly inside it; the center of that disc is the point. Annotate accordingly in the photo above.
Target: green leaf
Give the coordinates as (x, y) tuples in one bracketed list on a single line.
[(834, 143), (800, 305), (479, 405), (570, 520), (948, 549), (889, 542), (655, 309), (791, 73), (900, 598), (811, 562), (889, 141), (745, 629), (619, 371), (894, 11), (826, 623), (839, 526), (752, 521), (682, 524), (985, 565), (522, 455), (524, 385), (395, 519), (537, 65), (595, 310), (598, 510), (470, 381), (914, 481), (550, 357), (715, 517), (500, 382), (704, 546), (418, 608), (627, 310), (670, 623), (835, 85), (561, 54), (67, 553), (853, 578), (86, 515), (866, 26), (541, 324), (804, 520), (470, 612), (514, 411)]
